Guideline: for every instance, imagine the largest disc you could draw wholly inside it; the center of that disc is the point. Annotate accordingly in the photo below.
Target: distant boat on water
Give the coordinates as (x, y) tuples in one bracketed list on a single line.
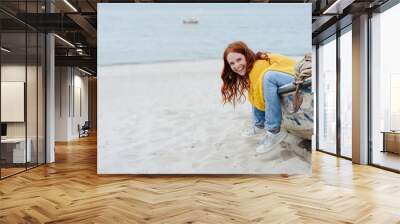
[(192, 20)]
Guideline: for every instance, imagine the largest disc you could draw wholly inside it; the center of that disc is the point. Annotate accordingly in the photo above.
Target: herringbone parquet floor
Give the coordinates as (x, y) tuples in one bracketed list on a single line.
[(70, 191)]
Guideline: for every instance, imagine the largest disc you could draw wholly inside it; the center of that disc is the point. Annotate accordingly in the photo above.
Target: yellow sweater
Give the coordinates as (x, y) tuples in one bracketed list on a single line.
[(278, 63)]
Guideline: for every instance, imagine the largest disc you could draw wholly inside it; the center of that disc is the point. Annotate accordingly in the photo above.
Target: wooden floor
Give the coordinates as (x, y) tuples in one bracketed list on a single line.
[(387, 159), (70, 191), (5, 172)]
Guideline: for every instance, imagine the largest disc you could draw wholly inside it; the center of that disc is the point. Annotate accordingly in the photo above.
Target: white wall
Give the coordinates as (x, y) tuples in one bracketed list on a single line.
[(33, 126), (10, 73), (80, 109), (14, 73), (61, 103), (70, 83)]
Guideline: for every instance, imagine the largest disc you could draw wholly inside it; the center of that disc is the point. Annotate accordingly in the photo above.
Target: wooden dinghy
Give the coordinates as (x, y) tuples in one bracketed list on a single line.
[(301, 122)]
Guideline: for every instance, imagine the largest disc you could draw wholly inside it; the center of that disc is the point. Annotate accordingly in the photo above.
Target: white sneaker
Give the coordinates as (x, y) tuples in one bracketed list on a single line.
[(252, 131), (270, 141)]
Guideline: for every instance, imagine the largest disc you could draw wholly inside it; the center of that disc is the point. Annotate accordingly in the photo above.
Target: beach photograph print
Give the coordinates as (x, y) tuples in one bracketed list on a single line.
[(196, 88)]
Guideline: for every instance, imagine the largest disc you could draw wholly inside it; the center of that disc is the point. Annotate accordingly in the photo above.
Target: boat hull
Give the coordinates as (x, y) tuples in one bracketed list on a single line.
[(301, 122)]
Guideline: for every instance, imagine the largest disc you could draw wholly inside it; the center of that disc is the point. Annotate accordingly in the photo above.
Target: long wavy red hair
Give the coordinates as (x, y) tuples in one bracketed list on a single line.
[(234, 85)]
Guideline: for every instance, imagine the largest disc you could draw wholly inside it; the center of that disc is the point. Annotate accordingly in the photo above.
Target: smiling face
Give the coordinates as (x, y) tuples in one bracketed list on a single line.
[(237, 62)]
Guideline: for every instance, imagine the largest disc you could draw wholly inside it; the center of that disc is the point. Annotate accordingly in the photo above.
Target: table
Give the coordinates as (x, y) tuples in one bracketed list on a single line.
[(391, 141), (15, 148)]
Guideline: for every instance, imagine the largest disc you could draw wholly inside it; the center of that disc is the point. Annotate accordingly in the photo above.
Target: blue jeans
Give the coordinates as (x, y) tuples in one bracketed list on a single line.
[(272, 117)]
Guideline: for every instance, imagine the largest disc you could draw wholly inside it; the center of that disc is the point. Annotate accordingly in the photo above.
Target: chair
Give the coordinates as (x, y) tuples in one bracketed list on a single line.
[(84, 130)]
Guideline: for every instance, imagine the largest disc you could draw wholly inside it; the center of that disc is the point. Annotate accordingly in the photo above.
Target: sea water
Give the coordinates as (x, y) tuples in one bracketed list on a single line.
[(147, 33)]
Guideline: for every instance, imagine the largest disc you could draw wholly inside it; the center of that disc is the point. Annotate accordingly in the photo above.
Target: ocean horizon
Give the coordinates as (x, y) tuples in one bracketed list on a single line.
[(152, 33)]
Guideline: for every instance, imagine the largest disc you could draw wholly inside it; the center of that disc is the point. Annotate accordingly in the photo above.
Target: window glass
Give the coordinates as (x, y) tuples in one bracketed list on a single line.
[(346, 94), (385, 87), (327, 96)]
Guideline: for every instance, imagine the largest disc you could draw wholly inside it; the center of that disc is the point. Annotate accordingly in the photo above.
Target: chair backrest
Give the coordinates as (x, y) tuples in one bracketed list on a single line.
[(86, 125)]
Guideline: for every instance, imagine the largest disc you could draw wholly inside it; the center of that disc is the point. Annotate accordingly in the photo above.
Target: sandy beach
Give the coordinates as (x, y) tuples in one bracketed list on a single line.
[(168, 118)]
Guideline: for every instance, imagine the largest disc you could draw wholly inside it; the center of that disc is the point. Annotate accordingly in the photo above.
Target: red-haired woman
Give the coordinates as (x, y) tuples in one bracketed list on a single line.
[(260, 75)]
